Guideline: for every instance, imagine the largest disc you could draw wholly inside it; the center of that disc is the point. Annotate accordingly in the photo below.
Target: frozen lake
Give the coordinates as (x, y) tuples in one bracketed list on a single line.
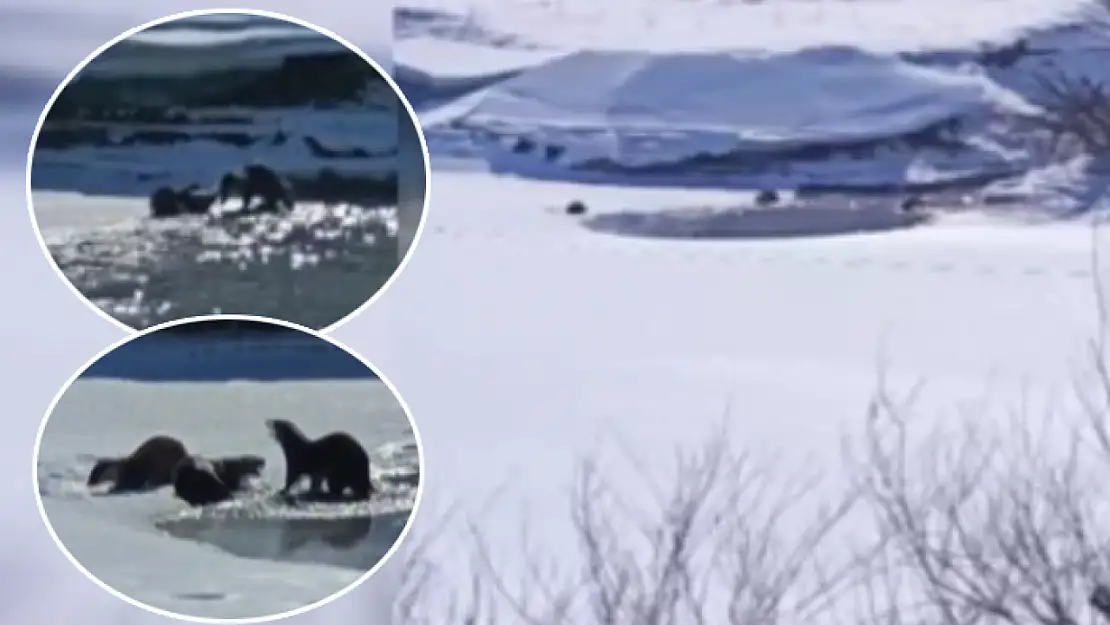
[(270, 558)]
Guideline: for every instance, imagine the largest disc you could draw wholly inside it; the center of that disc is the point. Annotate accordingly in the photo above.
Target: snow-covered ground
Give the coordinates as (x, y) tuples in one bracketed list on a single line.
[(665, 310), (523, 338), (155, 549), (91, 177), (599, 343)]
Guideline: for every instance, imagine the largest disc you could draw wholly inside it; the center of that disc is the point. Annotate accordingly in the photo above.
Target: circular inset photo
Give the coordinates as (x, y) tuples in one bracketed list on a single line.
[(228, 468), (230, 162)]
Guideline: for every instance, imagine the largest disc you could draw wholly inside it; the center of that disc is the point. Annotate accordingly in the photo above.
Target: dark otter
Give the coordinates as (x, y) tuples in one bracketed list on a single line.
[(192, 201), (164, 203), (767, 197), (523, 145), (196, 482), (235, 470), (551, 153), (149, 466), (911, 203), (168, 202), (257, 181), (337, 459)]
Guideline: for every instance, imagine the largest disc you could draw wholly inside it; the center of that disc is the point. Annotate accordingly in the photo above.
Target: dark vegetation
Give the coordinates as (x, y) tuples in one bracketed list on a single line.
[(98, 112), (324, 81)]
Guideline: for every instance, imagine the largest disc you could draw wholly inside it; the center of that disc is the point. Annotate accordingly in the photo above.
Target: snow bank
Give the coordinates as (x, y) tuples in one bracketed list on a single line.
[(442, 62), (884, 26), (432, 69), (596, 116), (769, 102)]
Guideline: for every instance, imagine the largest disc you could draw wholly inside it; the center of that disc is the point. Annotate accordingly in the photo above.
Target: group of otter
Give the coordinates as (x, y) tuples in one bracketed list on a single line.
[(253, 181), (337, 466)]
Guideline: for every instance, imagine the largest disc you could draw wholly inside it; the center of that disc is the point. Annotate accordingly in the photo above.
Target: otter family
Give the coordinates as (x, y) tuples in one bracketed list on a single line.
[(251, 182), (336, 464)]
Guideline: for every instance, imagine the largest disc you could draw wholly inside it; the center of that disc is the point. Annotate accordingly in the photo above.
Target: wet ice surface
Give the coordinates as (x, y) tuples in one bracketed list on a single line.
[(312, 267), (247, 557)]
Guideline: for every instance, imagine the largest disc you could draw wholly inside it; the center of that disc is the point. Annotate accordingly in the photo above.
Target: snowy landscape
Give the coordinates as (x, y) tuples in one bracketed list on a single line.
[(880, 398), (184, 102), (215, 393), (526, 340)]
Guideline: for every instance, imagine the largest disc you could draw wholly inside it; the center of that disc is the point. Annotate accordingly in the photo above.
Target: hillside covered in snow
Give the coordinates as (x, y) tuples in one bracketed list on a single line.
[(669, 99)]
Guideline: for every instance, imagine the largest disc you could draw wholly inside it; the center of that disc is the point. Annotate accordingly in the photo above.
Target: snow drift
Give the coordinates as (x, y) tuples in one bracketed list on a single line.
[(431, 70), (672, 118)]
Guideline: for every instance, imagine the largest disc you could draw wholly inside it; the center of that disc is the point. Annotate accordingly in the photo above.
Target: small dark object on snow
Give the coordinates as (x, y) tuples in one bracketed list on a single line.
[(524, 145), (911, 203), (169, 202), (767, 197), (257, 181), (551, 153), (576, 208)]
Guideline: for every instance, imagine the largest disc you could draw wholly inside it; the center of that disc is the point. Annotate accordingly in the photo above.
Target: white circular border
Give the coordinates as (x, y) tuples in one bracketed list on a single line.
[(248, 620), (260, 13)]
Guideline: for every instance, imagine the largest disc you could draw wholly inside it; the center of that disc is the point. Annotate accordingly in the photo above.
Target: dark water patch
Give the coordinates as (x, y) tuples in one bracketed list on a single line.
[(201, 595), (356, 543), (184, 354), (692, 223)]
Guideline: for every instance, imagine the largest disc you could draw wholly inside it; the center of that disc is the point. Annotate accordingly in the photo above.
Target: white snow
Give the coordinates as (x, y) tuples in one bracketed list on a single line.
[(592, 343), (459, 64), (522, 338), (837, 95), (699, 25), (644, 108)]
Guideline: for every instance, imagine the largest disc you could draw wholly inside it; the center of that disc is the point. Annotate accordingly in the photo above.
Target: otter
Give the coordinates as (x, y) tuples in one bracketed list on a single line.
[(260, 181), (168, 202), (911, 203), (576, 207), (196, 482), (164, 203), (235, 470), (337, 459), (192, 201), (150, 466), (767, 197)]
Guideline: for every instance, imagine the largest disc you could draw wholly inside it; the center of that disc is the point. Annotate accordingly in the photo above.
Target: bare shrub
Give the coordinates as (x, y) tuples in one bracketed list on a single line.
[(719, 542), (992, 522), (979, 523), (1077, 112)]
